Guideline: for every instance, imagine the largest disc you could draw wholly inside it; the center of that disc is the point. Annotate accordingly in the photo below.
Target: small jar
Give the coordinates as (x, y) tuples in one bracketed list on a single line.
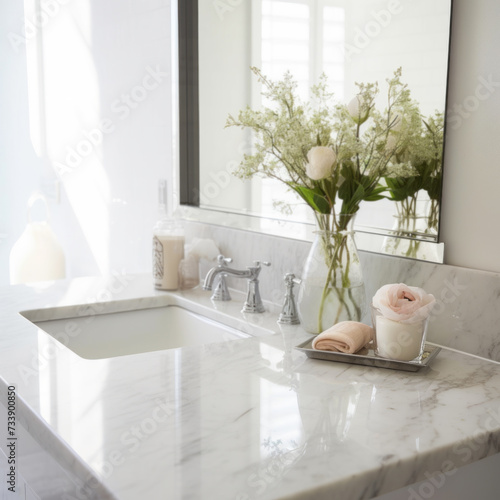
[(168, 245), (397, 340)]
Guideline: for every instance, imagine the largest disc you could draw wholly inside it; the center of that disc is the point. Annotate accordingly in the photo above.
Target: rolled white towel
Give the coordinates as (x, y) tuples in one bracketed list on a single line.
[(347, 336)]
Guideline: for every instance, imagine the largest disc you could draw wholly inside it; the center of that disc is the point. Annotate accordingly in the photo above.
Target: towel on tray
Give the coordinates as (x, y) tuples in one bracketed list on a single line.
[(348, 337)]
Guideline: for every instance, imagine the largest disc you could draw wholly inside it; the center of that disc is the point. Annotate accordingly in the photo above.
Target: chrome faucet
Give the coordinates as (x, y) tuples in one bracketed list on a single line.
[(253, 302)]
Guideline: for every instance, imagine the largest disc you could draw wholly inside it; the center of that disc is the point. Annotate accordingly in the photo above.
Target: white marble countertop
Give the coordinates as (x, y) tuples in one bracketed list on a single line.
[(250, 418)]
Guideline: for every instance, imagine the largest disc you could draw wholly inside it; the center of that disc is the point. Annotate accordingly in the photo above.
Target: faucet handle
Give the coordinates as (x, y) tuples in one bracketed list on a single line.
[(256, 268), (221, 260), (257, 263), (291, 280)]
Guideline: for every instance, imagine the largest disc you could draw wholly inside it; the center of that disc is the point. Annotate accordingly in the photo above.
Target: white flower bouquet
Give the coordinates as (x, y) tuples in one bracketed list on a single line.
[(333, 155)]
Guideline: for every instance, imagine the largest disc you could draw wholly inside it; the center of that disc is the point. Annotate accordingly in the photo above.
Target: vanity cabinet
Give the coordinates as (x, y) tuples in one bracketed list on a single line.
[(476, 480)]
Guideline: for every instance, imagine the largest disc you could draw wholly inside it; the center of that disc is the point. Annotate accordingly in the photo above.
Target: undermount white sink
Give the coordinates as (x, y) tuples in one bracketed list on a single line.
[(137, 331)]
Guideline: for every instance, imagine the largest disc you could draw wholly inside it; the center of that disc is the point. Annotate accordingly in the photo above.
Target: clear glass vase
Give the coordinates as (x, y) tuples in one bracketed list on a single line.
[(332, 288)]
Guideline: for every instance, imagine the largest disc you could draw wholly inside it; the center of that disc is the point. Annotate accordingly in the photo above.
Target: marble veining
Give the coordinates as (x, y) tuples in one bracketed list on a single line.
[(466, 317), (245, 419)]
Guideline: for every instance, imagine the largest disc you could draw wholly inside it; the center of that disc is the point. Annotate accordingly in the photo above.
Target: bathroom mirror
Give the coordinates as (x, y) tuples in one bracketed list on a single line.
[(347, 40)]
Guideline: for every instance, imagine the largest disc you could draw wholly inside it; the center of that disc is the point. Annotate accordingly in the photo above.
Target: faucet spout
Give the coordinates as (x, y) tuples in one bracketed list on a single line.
[(215, 271), (222, 268), (210, 277), (253, 302)]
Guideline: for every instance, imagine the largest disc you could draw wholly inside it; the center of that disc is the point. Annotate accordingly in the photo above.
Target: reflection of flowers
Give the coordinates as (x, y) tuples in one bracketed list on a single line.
[(423, 150), (404, 304), (327, 411), (272, 470)]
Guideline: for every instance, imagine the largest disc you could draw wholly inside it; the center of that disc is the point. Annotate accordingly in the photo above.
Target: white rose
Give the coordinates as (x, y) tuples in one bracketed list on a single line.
[(321, 161), (358, 109)]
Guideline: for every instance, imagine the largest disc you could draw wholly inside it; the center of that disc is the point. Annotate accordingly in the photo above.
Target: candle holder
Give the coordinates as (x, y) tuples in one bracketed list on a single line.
[(397, 340)]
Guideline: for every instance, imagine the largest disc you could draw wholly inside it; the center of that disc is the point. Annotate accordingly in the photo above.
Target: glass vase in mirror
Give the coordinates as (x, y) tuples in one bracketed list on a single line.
[(414, 225)]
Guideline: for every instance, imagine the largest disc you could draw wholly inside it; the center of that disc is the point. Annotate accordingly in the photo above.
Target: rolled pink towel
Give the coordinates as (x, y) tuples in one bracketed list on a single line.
[(348, 337)]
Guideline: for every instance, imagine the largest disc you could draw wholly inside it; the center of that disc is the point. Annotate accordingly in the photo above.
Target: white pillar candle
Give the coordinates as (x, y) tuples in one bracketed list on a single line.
[(401, 341)]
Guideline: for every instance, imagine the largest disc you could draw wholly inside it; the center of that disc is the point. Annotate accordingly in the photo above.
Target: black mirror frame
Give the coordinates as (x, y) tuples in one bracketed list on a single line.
[(189, 133)]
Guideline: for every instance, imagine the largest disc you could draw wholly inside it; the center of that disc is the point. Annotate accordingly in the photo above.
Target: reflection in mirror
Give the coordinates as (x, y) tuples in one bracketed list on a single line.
[(348, 41)]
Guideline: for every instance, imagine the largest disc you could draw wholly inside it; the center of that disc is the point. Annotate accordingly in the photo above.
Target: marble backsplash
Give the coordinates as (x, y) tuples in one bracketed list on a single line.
[(467, 314)]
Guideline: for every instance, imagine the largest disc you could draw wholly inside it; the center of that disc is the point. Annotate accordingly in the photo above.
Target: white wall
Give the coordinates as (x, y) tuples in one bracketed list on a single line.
[(100, 61), (471, 193)]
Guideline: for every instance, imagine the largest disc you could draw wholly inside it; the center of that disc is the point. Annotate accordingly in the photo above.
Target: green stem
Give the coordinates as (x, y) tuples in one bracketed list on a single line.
[(334, 255)]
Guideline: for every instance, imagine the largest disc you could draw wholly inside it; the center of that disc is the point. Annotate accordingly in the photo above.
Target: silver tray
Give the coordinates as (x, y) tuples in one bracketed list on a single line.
[(367, 357)]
